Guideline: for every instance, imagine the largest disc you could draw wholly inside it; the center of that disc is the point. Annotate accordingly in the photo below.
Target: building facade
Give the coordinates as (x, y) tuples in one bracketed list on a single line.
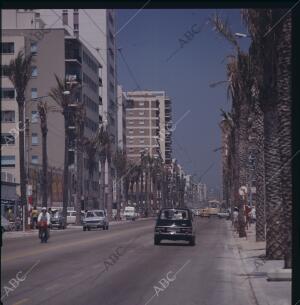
[(148, 125), (72, 61)]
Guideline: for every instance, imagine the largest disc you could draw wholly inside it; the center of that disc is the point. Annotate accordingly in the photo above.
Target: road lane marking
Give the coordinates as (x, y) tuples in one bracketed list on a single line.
[(21, 302), (66, 245), (52, 287)]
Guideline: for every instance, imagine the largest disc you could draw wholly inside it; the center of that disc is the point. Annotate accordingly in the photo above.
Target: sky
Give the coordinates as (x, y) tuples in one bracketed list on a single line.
[(163, 56)]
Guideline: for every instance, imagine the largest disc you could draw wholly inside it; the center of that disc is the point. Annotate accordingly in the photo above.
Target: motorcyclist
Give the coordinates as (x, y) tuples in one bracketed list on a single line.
[(44, 216)]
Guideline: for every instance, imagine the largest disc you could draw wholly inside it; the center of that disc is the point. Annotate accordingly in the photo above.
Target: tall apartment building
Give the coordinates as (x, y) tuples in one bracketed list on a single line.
[(55, 51), (148, 125), (96, 28)]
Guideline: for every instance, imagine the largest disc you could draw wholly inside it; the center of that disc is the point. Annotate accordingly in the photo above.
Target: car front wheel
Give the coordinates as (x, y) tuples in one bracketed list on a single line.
[(192, 241)]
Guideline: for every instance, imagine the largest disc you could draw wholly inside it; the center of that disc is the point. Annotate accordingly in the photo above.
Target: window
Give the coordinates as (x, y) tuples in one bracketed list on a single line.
[(141, 103), (7, 139), (34, 116), (8, 47), (142, 131), (131, 131), (34, 71), (76, 27), (34, 93), (4, 70), (8, 161), (33, 48), (34, 159), (142, 123), (130, 122), (7, 116), (142, 141), (141, 113), (34, 139), (8, 93)]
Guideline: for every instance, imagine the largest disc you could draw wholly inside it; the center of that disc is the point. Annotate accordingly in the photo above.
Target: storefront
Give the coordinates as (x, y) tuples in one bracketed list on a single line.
[(10, 203)]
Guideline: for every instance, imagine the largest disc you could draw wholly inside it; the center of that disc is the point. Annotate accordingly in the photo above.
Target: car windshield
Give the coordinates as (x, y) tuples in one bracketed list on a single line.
[(90, 214), (99, 214), (174, 217)]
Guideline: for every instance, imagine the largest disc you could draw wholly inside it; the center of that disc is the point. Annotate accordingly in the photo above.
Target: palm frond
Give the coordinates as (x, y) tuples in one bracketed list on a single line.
[(19, 72), (223, 28)]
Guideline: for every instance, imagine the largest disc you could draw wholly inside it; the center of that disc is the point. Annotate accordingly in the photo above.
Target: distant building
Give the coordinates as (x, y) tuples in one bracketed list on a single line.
[(148, 125)]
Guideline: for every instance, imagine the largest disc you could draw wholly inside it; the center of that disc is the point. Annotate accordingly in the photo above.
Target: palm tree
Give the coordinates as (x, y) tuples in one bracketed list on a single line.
[(81, 146), (42, 110), (104, 155), (91, 147), (119, 161), (238, 74), (19, 73), (284, 51), (63, 94), (259, 22)]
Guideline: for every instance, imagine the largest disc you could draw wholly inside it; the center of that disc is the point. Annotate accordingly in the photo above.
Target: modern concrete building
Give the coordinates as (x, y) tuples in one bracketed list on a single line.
[(148, 121), (55, 51), (96, 28)]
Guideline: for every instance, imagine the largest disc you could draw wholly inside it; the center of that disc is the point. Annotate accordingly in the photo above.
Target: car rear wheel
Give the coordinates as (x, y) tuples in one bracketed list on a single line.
[(89, 229), (156, 241)]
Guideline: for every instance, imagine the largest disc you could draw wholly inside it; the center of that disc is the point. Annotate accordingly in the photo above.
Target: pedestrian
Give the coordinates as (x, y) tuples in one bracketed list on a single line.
[(253, 215), (235, 218), (34, 215), (247, 215)]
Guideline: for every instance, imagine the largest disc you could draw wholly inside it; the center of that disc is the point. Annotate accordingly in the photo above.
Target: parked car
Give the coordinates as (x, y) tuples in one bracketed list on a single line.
[(6, 225), (95, 219), (224, 214), (71, 217), (57, 220), (175, 224)]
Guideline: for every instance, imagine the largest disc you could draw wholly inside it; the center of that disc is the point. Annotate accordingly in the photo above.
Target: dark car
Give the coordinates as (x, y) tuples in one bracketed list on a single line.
[(57, 220), (175, 224)]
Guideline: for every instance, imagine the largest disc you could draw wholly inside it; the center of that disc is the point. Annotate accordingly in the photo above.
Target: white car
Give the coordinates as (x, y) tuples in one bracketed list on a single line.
[(130, 213)]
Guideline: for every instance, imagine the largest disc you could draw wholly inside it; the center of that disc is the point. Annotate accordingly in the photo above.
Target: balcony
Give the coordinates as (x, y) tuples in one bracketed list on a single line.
[(73, 78)]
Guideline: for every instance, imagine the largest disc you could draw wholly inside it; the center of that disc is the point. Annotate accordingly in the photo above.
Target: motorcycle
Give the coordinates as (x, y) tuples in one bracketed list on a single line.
[(43, 231)]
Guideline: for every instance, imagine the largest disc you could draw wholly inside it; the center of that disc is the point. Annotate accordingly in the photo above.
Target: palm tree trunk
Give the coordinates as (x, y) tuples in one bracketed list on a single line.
[(285, 136), (259, 174), (110, 192), (274, 241), (102, 184), (79, 187), (119, 182), (66, 168), (45, 166), (22, 160)]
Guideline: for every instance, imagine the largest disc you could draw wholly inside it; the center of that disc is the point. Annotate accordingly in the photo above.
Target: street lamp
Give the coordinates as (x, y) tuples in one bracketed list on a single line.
[(242, 35)]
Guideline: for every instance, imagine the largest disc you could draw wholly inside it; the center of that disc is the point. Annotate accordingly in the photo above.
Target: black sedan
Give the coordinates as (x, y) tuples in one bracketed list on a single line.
[(175, 224)]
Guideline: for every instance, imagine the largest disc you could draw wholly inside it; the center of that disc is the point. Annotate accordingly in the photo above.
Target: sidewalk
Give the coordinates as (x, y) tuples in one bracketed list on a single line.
[(19, 234), (256, 268)]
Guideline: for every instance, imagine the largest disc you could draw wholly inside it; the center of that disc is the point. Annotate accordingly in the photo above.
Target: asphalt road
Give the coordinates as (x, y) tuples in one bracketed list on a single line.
[(122, 266)]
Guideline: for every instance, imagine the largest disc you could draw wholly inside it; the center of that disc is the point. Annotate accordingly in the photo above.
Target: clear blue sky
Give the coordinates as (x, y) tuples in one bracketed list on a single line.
[(147, 42)]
